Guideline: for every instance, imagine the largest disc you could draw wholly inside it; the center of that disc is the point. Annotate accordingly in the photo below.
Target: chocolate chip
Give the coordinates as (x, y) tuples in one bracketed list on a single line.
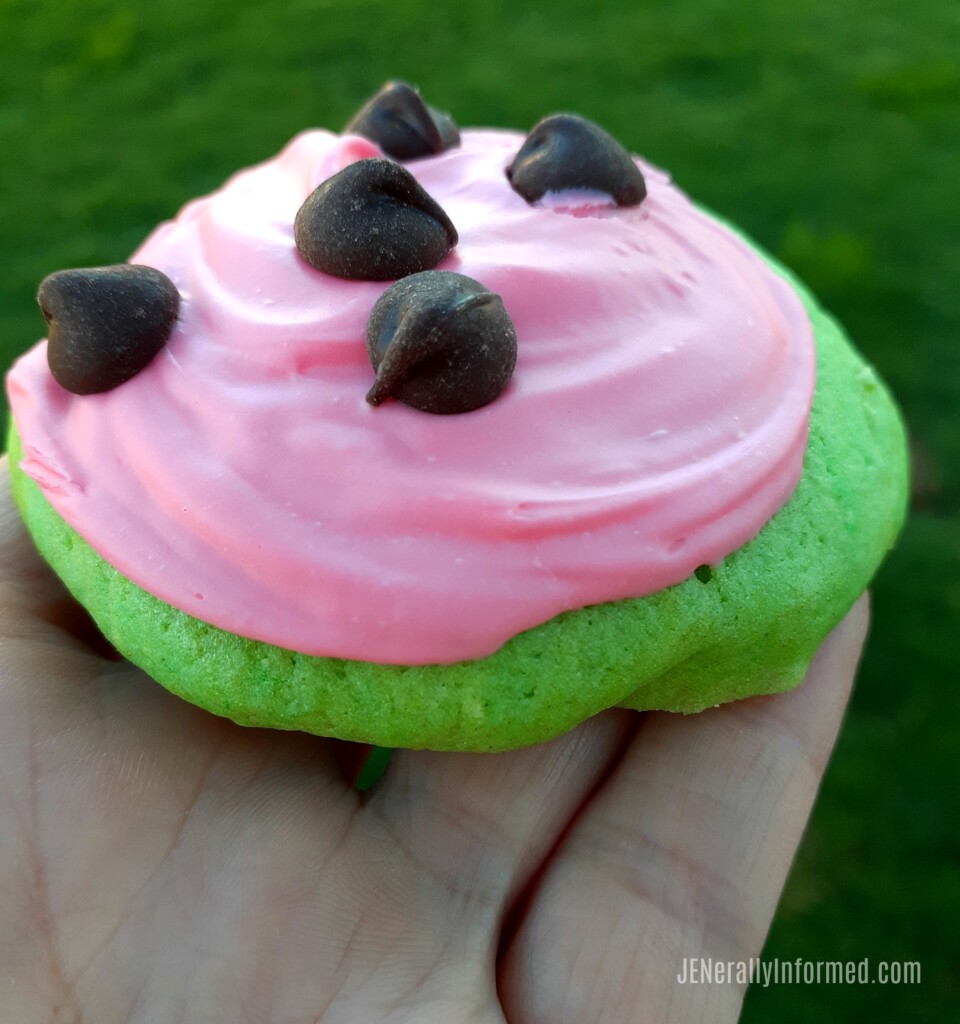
[(567, 151), (372, 221), (105, 323), (402, 125), (440, 342)]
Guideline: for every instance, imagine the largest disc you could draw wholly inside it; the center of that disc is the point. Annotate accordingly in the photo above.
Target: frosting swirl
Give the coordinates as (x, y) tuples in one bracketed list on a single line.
[(656, 419)]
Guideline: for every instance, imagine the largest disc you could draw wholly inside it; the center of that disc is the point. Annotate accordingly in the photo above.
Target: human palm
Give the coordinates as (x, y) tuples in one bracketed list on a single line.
[(160, 865)]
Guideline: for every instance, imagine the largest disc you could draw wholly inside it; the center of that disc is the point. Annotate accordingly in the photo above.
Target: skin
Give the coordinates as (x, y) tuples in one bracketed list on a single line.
[(159, 865)]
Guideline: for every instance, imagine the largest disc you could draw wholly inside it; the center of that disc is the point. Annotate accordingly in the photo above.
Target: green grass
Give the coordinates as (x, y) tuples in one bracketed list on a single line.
[(830, 131)]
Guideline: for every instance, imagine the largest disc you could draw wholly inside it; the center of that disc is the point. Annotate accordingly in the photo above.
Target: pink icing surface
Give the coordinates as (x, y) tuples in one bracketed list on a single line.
[(656, 419)]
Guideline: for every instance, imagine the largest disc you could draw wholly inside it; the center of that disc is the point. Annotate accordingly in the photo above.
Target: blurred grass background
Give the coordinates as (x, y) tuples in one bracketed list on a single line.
[(830, 131)]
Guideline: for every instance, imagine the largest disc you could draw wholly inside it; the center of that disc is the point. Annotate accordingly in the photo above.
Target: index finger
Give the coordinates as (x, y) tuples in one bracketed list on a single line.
[(682, 855)]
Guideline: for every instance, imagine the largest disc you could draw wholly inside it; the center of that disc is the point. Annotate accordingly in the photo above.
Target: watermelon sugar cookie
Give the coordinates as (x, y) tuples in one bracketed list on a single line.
[(430, 438)]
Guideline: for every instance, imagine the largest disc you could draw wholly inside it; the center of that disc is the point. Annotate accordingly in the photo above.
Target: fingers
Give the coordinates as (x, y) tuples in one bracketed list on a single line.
[(480, 824), (682, 854)]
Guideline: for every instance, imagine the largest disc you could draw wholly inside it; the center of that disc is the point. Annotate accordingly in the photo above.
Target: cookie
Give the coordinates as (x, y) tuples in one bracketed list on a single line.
[(484, 578)]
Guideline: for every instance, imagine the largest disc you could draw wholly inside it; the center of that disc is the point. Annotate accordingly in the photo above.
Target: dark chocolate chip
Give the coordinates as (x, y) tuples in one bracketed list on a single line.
[(402, 125), (372, 221), (440, 342), (105, 323), (567, 151)]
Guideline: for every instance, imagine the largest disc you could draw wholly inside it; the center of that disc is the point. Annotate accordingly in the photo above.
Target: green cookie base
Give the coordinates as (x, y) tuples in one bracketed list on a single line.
[(752, 628)]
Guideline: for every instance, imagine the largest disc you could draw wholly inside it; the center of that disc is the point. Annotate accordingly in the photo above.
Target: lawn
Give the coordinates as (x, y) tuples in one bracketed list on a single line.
[(830, 131)]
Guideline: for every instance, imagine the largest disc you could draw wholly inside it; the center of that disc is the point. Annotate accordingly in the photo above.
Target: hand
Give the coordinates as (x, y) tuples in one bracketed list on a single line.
[(160, 865)]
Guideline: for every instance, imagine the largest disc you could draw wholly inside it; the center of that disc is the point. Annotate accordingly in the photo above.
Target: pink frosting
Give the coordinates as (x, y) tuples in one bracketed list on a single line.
[(656, 419)]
